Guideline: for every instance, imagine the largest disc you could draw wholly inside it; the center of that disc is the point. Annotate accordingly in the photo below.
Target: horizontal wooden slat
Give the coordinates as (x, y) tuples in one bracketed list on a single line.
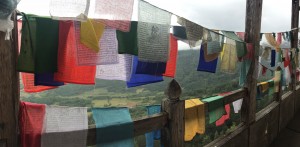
[(224, 139), (141, 126), (235, 95), (286, 95), (266, 110)]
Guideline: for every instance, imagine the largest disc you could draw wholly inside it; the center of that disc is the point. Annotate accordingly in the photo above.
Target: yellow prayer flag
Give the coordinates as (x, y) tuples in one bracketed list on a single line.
[(90, 34), (194, 118)]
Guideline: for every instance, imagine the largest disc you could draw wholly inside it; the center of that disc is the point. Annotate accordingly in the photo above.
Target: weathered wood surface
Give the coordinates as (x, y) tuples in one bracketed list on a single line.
[(173, 133), (9, 91), (294, 41), (263, 127), (252, 35), (287, 107), (141, 126), (235, 95), (237, 138), (297, 98)]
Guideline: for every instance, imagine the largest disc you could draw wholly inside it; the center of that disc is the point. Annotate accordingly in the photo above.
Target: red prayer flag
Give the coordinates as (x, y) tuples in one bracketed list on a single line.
[(171, 64), (31, 123), (68, 71), (28, 83), (225, 117)]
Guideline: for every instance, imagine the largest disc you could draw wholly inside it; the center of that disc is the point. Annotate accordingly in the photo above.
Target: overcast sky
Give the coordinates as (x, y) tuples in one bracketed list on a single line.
[(213, 14)]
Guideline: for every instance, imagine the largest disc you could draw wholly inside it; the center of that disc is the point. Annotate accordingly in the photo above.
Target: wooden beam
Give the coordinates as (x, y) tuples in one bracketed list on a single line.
[(294, 42), (9, 89), (252, 35), (141, 126), (235, 95), (173, 133)]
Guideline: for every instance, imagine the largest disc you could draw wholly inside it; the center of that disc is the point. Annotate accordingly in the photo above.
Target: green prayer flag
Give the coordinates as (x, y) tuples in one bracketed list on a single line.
[(25, 62), (241, 48), (46, 45), (127, 41), (39, 45), (215, 108)]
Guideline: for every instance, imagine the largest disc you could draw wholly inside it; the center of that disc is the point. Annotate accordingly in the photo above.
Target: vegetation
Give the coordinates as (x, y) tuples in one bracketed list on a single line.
[(105, 93)]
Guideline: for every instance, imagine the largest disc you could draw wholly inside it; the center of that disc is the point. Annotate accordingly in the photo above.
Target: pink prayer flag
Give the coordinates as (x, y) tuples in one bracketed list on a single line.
[(115, 13), (31, 123), (225, 117), (108, 53)]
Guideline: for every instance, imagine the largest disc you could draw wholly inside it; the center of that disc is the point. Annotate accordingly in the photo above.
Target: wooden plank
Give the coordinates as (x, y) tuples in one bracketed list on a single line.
[(286, 110), (237, 138), (252, 35), (141, 126), (9, 89), (273, 124), (235, 95), (265, 128), (294, 41), (173, 133)]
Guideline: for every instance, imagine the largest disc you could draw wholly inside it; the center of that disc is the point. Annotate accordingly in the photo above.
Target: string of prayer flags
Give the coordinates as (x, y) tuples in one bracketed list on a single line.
[(171, 64), (90, 34), (141, 79), (228, 58), (149, 68), (194, 118), (65, 121), (153, 38), (273, 58), (29, 86), (250, 52), (215, 42), (245, 65), (46, 45), (46, 79), (279, 38), (127, 41), (215, 108), (68, 71), (31, 123), (26, 58), (204, 65), (108, 53), (69, 9), (241, 35), (38, 45), (154, 135), (179, 32), (120, 71), (114, 13), (271, 87), (225, 117), (114, 127), (237, 105), (194, 32), (240, 44), (271, 40)]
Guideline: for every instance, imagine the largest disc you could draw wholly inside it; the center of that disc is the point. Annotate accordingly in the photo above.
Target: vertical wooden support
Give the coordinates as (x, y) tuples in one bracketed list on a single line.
[(173, 133), (252, 35), (9, 90), (294, 42)]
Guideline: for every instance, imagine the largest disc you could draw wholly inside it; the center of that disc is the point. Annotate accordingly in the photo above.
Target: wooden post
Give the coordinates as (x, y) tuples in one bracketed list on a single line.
[(173, 133), (9, 90), (252, 35), (294, 42)]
